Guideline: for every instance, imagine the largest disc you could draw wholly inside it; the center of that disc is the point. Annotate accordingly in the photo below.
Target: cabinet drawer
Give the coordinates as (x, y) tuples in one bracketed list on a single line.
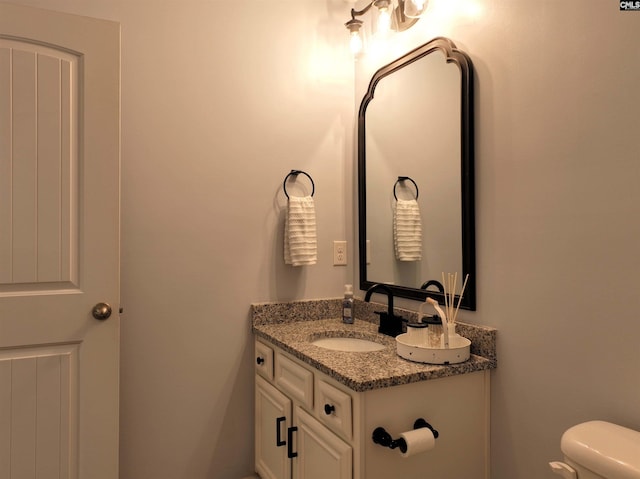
[(264, 360), (334, 408), (294, 380)]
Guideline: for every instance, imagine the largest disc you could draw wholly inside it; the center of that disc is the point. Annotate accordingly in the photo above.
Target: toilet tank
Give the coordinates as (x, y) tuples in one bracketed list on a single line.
[(608, 450)]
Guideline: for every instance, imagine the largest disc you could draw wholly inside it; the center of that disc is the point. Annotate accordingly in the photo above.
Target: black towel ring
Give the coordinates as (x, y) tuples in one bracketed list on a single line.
[(404, 178), (296, 173), (433, 282)]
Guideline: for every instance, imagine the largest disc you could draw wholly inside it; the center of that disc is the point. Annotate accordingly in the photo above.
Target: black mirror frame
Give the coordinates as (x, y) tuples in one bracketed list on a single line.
[(452, 55)]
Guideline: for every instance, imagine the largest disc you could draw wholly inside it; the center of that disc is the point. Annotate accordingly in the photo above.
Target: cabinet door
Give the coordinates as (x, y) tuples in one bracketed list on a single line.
[(273, 418), (320, 453)]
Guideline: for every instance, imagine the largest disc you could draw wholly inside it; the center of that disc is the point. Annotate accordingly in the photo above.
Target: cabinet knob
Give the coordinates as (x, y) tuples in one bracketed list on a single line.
[(328, 409), (259, 360)]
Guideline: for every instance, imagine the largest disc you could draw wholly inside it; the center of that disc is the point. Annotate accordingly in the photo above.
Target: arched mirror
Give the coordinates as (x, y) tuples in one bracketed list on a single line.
[(415, 147)]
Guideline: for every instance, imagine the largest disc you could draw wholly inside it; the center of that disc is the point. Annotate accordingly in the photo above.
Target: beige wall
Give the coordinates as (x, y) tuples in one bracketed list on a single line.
[(221, 100)]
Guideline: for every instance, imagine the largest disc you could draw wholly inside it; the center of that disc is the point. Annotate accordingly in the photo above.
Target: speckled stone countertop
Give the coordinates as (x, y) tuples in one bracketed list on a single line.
[(293, 325)]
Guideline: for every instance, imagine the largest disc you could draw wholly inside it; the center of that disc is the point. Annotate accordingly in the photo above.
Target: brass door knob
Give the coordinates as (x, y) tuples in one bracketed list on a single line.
[(101, 311)]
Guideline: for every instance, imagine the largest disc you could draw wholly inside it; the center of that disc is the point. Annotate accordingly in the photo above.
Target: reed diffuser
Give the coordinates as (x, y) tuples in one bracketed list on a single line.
[(447, 347), (451, 308), (450, 295)]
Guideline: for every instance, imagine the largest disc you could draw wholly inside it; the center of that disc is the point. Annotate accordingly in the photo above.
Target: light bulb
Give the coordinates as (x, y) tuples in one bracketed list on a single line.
[(355, 43), (384, 21), (355, 39)]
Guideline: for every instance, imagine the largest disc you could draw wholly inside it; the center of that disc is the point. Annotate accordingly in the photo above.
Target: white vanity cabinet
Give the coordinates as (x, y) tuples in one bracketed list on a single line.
[(310, 426), (289, 441)]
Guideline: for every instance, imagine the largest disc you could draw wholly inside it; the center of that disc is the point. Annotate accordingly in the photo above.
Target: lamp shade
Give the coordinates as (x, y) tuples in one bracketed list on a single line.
[(415, 8)]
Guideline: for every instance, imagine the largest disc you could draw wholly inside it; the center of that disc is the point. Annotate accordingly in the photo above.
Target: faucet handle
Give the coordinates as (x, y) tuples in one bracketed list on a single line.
[(389, 325)]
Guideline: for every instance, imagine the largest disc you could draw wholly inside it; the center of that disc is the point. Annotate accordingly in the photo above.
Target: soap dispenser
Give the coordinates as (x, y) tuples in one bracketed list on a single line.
[(347, 304)]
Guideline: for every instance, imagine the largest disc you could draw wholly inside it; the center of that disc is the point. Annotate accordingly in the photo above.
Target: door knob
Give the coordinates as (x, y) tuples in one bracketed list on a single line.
[(101, 311)]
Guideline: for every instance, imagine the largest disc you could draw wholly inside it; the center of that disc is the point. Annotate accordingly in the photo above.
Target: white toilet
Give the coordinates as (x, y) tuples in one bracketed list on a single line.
[(599, 450)]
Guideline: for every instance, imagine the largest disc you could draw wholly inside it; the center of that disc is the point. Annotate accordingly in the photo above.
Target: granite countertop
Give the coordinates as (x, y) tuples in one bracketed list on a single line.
[(292, 327)]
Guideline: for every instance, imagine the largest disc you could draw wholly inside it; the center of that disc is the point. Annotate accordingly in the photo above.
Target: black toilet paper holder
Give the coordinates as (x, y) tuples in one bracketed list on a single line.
[(382, 437)]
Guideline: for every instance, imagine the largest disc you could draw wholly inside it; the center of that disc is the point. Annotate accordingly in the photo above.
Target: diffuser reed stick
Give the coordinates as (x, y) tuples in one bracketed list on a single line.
[(464, 285), (450, 285), (446, 297)]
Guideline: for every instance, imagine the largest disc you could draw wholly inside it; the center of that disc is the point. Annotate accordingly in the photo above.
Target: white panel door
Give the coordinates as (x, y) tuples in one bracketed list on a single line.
[(59, 244)]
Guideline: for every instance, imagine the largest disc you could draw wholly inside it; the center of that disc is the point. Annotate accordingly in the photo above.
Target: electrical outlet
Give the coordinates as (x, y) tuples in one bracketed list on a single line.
[(339, 253)]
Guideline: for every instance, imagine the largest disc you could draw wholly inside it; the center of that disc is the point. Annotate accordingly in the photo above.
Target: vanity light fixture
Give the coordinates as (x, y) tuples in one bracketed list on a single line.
[(398, 15)]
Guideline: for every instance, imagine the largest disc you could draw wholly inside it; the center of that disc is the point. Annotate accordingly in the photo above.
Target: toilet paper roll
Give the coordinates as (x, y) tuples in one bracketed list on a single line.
[(418, 441)]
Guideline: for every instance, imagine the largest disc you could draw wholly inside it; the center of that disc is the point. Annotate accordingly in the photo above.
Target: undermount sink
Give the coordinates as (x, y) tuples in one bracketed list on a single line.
[(353, 345)]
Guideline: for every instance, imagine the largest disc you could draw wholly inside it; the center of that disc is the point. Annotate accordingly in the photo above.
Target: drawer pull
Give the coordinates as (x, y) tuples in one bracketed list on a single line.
[(290, 453), (279, 441), (259, 360), (329, 409)]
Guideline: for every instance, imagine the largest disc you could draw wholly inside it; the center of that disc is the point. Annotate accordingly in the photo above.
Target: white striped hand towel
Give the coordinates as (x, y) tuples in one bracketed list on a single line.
[(300, 243), (407, 230)]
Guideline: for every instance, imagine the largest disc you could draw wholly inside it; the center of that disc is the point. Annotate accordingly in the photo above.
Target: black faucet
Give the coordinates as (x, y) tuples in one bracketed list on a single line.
[(390, 324)]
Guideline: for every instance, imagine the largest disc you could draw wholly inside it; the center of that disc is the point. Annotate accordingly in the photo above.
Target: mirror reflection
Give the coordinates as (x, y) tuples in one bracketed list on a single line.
[(416, 173)]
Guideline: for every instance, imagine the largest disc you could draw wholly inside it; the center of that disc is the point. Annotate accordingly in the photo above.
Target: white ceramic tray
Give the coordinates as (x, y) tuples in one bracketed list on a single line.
[(458, 352)]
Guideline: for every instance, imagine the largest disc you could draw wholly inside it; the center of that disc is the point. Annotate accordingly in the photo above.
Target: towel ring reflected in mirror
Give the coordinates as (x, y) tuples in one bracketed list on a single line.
[(402, 179), (295, 173)]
